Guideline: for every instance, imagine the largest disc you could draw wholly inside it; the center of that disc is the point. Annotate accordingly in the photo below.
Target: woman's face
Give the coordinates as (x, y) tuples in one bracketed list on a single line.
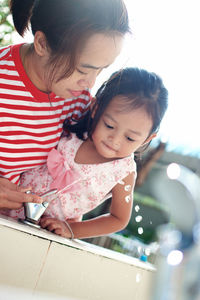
[(99, 52)]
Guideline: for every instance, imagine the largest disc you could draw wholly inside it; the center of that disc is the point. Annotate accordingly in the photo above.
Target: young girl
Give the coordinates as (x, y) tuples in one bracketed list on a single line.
[(47, 81), (125, 117)]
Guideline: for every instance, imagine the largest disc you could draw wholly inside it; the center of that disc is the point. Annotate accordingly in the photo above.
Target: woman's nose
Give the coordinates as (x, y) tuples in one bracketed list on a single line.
[(88, 82)]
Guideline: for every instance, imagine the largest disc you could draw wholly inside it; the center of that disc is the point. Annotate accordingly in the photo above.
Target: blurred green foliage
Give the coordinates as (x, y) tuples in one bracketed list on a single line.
[(6, 25)]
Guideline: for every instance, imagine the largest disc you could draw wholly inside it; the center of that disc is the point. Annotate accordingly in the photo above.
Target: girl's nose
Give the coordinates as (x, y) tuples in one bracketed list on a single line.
[(115, 140)]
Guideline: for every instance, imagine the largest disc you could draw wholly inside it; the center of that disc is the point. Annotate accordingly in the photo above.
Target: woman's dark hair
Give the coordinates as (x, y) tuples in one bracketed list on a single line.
[(67, 24), (138, 88)]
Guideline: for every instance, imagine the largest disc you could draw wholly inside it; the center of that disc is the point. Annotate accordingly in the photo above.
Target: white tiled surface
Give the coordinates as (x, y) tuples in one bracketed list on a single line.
[(9, 293), (92, 277), (21, 257), (8, 222), (40, 261)]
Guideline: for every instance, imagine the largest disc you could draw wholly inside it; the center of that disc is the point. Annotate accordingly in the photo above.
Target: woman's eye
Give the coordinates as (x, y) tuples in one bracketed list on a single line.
[(81, 72), (108, 126)]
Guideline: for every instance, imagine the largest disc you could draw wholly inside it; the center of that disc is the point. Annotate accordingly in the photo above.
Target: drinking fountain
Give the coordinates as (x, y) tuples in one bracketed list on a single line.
[(34, 211)]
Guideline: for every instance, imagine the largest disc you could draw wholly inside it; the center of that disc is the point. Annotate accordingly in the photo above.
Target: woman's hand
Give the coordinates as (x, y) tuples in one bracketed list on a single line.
[(12, 196), (55, 226)]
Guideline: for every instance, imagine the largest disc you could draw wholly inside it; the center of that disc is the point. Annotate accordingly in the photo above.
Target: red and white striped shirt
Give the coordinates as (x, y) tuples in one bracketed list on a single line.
[(30, 120)]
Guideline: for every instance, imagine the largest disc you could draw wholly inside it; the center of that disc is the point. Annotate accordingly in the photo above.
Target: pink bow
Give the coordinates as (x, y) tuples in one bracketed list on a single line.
[(60, 171)]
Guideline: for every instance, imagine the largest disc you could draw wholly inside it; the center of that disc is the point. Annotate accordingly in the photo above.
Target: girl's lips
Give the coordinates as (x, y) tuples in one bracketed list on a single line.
[(110, 148), (76, 93)]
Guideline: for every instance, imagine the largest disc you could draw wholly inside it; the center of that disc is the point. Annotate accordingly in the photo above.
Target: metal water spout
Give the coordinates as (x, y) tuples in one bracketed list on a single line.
[(178, 264), (34, 211)]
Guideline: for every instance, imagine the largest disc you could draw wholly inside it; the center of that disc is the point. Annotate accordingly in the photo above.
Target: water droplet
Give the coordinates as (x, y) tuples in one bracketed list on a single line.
[(140, 230), (121, 182), (138, 277), (128, 198), (127, 188), (138, 219), (147, 251), (137, 208)]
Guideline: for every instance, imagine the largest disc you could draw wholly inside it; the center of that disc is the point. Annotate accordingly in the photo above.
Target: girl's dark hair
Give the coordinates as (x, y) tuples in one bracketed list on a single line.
[(138, 88), (67, 24)]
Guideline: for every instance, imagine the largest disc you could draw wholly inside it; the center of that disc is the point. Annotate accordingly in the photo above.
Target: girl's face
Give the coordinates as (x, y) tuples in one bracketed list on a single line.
[(120, 133), (99, 52)]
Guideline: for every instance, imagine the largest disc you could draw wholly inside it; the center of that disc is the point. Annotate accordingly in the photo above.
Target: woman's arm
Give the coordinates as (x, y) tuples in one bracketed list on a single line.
[(115, 220)]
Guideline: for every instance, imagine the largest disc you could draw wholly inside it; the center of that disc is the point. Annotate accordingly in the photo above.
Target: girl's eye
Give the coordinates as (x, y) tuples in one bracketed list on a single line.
[(108, 126), (81, 72), (129, 139)]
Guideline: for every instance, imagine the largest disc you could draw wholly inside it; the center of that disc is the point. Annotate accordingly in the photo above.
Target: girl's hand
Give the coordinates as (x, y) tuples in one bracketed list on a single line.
[(55, 226), (12, 196)]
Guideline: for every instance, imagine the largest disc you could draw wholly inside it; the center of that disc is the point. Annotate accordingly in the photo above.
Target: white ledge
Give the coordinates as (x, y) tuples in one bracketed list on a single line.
[(42, 262), (76, 243)]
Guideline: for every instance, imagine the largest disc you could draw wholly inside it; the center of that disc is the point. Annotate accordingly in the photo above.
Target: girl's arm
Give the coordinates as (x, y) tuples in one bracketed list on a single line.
[(116, 220)]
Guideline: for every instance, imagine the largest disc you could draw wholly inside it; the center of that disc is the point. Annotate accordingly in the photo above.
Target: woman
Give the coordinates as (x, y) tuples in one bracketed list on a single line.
[(43, 83)]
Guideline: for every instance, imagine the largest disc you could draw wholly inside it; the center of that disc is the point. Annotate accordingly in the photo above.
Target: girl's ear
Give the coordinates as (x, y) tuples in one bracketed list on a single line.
[(151, 137), (40, 44)]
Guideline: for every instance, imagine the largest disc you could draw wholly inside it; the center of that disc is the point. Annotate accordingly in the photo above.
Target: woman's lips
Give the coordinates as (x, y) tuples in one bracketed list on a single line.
[(76, 93)]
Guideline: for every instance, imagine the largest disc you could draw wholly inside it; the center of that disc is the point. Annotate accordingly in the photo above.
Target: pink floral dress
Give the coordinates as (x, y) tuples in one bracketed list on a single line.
[(82, 187)]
